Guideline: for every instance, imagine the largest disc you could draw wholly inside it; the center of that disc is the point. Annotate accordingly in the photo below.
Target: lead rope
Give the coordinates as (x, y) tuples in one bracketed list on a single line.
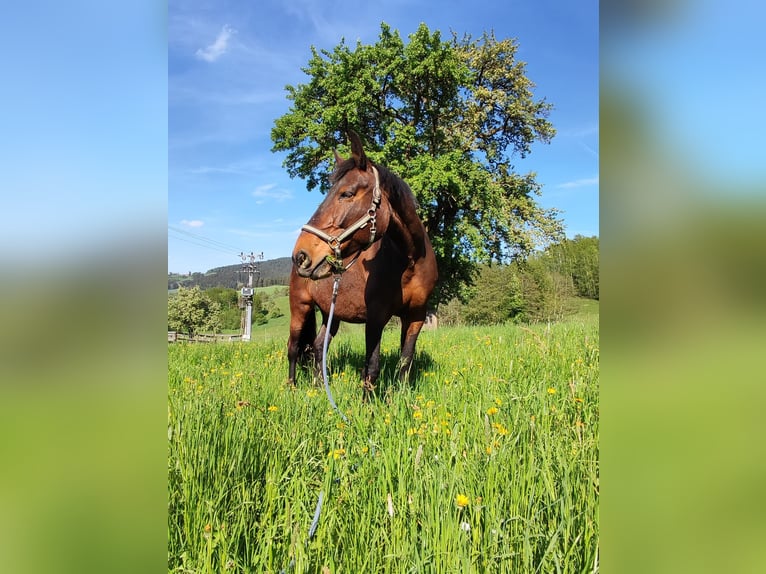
[(318, 509), (324, 349)]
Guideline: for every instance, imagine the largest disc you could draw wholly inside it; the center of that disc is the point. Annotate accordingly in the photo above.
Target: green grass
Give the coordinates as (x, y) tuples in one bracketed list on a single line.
[(505, 416)]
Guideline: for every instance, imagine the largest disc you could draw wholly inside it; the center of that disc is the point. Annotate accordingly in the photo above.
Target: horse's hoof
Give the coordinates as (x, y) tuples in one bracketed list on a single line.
[(369, 389)]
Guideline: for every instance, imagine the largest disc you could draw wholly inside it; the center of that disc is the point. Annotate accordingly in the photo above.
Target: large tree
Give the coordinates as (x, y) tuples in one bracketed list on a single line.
[(448, 117)]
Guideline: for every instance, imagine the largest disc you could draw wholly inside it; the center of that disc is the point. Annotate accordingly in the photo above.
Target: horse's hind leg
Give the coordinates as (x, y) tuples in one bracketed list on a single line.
[(372, 335), (411, 326)]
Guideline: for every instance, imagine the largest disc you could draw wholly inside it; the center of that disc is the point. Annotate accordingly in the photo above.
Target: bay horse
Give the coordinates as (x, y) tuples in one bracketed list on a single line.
[(368, 230)]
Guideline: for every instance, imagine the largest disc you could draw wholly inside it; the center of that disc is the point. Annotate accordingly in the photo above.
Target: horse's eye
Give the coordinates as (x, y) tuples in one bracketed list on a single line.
[(349, 193)]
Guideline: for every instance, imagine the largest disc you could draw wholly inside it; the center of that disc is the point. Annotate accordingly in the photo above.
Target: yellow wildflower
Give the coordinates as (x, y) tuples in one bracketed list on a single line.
[(337, 453), (551, 391), (462, 500), (273, 408), (492, 411)]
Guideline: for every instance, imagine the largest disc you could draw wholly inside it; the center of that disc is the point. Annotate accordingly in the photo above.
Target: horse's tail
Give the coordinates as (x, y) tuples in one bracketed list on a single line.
[(307, 336)]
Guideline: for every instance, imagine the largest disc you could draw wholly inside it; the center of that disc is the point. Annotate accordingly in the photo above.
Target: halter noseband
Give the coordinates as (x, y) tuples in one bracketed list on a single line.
[(335, 241)]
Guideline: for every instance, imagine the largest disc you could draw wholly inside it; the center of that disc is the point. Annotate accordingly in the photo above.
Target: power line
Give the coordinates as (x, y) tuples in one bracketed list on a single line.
[(202, 241), (227, 251)]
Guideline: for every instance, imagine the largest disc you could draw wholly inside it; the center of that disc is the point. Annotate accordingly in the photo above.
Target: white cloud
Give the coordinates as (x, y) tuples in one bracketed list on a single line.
[(218, 48), (579, 183), (271, 191), (192, 223)]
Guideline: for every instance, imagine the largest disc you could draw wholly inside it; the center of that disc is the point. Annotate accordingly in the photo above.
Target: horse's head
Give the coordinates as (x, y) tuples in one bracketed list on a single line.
[(347, 222)]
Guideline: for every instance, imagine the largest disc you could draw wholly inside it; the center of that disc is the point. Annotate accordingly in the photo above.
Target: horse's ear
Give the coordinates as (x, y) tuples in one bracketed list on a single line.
[(338, 159), (357, 153)]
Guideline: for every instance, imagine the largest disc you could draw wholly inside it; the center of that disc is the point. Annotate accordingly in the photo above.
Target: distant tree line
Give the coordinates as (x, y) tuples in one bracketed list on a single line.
[(272, 272), (540, 288)]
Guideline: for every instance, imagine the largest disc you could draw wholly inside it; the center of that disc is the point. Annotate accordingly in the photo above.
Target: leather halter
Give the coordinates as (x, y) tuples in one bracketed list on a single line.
[(335, 241)]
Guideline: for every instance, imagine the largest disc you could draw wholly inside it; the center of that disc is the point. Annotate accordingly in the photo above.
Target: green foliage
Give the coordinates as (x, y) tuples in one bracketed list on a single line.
[(273, 310), (577, 258), (539, 288), (191, 311), (226, 297), (495, 298), (229, 302), (503, 419), (446, 116), (523, 292)]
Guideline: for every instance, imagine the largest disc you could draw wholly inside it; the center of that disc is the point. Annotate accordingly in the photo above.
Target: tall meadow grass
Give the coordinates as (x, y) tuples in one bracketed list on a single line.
[(487, 461)]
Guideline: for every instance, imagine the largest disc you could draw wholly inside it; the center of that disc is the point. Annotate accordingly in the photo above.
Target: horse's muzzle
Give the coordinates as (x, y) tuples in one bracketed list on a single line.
[(303, 264)]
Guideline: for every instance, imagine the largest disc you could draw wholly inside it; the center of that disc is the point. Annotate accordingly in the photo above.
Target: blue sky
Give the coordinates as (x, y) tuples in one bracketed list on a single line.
[(228, 64)]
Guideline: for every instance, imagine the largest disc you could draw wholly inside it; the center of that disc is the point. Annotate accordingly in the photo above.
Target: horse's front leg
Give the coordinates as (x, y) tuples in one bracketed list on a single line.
[(297, 324), (372, 335)]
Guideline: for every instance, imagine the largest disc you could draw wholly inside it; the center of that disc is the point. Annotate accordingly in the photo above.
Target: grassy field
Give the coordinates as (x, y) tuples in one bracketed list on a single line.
[(486, 462)]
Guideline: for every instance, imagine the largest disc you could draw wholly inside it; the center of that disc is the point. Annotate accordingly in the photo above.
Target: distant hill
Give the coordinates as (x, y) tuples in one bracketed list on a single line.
[(272, 272)]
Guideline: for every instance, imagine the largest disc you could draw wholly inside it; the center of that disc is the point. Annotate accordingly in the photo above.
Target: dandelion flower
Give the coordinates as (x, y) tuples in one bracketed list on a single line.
[(492, 411), (462, 500), (273, 408), (551, 391), (337, 453)]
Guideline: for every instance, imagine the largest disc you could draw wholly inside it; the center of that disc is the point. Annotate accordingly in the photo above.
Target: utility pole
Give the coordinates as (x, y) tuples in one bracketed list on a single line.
[(248, 266)]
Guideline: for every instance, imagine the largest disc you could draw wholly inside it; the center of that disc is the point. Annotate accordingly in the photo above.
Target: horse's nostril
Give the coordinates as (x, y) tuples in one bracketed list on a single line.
[(302, 259)]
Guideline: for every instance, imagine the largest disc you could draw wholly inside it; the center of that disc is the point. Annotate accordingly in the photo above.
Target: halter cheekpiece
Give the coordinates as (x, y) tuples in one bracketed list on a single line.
[(335, 241)]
